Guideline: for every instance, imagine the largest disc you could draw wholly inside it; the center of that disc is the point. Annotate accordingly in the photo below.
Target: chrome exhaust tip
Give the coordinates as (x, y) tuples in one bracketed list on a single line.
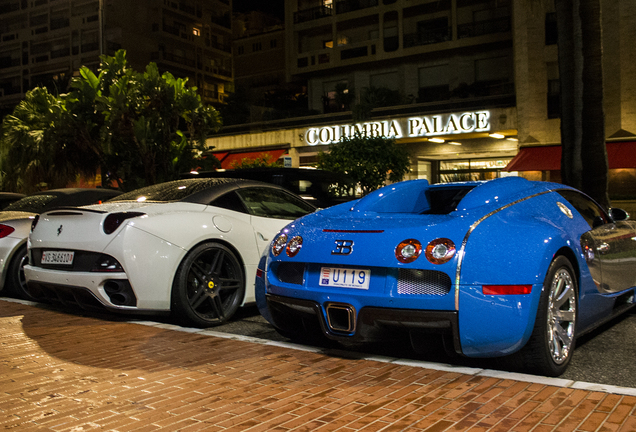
[(341, 317)]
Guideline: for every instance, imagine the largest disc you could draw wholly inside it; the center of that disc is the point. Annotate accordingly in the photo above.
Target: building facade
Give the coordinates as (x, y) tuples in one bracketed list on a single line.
[(44, 42), (443, 67)]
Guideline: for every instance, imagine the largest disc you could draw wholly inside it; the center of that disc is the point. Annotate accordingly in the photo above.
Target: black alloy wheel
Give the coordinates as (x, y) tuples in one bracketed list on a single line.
[(209, 285)]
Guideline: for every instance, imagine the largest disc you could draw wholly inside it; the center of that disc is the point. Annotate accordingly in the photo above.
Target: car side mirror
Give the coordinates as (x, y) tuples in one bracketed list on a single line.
[(618, 214), (598, 221)]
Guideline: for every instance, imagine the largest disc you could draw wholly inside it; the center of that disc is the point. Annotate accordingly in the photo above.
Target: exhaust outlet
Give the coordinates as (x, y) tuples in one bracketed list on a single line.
[(341, 317)]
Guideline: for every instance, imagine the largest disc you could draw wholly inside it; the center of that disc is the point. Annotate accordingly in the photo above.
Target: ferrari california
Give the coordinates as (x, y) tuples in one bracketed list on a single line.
[(15, 223), (504, 268), (189, 246)]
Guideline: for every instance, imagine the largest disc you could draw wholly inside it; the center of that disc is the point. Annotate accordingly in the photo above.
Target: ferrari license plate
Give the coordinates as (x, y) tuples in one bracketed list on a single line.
[(345, 277), (58, 257)]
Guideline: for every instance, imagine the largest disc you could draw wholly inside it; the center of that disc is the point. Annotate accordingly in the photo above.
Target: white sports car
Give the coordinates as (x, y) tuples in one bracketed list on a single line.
[(188, 246)]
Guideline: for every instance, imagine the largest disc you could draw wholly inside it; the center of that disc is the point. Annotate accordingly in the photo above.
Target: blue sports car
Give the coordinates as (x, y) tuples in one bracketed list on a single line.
[(507, 267)]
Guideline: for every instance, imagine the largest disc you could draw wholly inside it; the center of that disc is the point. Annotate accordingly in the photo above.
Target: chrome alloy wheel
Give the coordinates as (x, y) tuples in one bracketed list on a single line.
[(561, 315)]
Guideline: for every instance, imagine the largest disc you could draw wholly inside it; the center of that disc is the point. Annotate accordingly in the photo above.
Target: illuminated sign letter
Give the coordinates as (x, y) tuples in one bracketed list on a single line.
[(310, 137), (464, 122), (392, 129), (415, 126), (481, 121), (375, 129), (451, 126)]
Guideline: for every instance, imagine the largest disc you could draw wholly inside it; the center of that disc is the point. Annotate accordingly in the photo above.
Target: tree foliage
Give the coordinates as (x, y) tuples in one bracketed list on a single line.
[(139, 128), (368, 160), (265, 161)]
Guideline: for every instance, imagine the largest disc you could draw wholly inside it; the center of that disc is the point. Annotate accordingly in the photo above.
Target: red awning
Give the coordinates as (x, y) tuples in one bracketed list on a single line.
[(220, 155), (548, 158), (227, 162)]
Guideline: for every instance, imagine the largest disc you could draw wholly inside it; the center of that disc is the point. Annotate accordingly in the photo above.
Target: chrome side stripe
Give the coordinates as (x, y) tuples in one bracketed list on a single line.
[(462, 249)]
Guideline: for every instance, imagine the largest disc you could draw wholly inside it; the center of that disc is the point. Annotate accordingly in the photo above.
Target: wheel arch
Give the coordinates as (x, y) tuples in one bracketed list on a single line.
[(9, 262), (225, 243), (571, 256)]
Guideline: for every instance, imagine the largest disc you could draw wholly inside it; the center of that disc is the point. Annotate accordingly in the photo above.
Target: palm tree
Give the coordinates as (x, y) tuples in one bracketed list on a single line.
[(584, 154)]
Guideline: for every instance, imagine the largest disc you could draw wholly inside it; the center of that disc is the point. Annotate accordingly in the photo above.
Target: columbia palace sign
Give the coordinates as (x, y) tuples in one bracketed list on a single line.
[(411, 127)]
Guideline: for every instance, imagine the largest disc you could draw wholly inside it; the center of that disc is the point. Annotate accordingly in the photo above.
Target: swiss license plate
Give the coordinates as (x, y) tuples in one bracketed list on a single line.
[(58, 257), (345, 277)]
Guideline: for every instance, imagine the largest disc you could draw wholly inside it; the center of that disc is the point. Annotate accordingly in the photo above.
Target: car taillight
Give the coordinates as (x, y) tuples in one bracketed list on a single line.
[(34, 222), (5, 230), (440, 251), (506, 289), (279, 244), (114, 220), (408, 251), (294, 245)]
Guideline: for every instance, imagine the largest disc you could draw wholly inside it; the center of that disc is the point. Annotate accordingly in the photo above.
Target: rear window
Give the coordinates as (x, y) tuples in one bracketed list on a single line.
[(171, 191), (31, 204), (444, 200)]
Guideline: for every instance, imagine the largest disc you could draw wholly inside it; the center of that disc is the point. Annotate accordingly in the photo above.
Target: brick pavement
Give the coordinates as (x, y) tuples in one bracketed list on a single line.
[(65, 372)]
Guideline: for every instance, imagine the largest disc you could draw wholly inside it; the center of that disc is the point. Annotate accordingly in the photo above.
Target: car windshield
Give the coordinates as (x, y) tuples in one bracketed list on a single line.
[(31, 204), (171, 191)]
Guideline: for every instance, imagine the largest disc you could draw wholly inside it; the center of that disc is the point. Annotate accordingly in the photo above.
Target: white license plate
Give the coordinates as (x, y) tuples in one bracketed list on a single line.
[(345, 277), (58, 257)]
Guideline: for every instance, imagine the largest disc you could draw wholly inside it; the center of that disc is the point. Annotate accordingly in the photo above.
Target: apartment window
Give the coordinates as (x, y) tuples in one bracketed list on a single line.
[(196, 31), (327, 43), (550, 29), (240, 50), (433, 83), (256, 46), (389, 80), (273, 43)]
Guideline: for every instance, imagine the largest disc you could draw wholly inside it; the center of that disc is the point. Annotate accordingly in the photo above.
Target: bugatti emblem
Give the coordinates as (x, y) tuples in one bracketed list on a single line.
[(343, 247)]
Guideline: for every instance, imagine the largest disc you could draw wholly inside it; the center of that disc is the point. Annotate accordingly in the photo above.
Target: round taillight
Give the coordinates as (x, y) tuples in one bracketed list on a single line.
[(408, 251), (440, 251), (294, 246), (279, 244)]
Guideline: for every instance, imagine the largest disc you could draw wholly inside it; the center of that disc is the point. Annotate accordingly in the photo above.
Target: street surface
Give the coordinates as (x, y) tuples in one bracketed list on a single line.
[(605, 356)]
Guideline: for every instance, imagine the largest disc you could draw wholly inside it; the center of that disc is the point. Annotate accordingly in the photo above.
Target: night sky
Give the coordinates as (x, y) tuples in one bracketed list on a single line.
[(275, 7)]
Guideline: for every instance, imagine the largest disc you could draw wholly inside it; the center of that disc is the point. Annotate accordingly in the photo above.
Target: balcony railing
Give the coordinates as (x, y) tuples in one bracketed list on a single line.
[(312, 14), (8, 62), (481, 28), (222, 47), (62, 52), (9, 7), (428, 37), (179, 59), (343, 6), (350, 53)]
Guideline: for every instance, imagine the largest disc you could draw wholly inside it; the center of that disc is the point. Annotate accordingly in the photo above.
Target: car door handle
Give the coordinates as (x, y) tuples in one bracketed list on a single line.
[(603, 247), (262, 237)]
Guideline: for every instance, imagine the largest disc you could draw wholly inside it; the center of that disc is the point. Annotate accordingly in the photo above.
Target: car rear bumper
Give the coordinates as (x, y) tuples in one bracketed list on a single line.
[(88, 290), (341, 321)]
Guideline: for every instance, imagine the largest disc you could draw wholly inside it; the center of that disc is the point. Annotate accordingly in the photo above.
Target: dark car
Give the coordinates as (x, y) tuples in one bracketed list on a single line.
[(7, 198), (321, 188), (15, 223)]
